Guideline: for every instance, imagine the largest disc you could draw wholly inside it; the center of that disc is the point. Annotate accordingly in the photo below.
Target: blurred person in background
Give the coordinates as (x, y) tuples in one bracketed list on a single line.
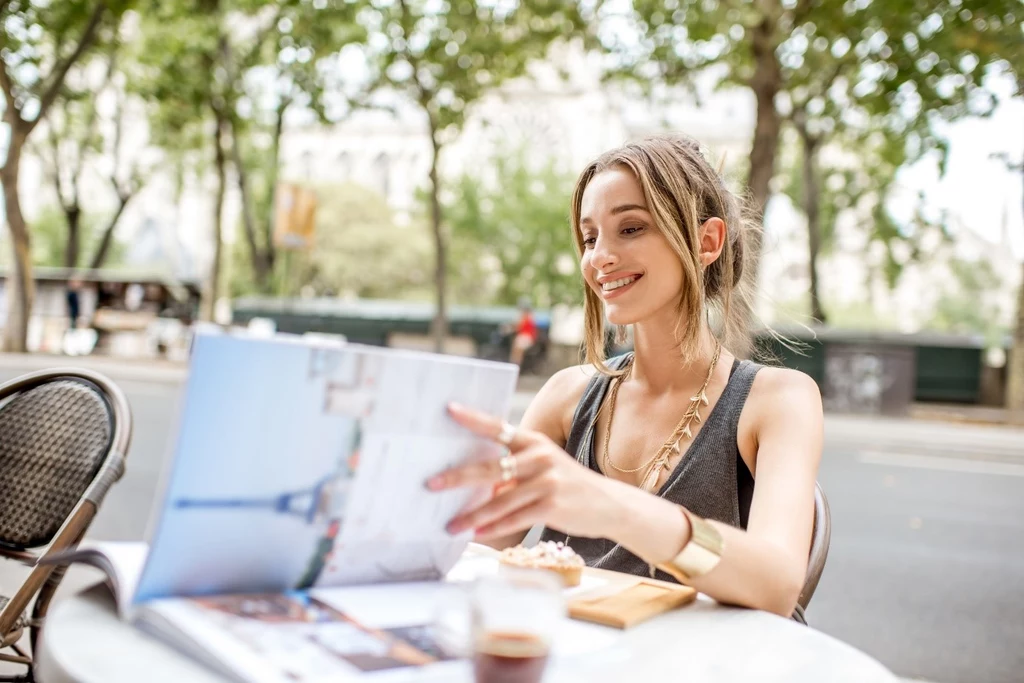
[(525, 332), (74, 302), (678, 459)]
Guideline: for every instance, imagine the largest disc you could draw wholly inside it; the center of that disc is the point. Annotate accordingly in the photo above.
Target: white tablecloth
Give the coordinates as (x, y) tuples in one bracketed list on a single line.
[(83, 640)]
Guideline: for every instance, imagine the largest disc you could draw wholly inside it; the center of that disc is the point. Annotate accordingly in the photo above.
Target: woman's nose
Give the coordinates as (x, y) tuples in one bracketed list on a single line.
[(604, 254)]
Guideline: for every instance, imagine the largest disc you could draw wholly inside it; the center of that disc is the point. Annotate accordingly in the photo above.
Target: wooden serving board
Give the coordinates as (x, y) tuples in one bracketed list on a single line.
[(625, 600), (613, 598)]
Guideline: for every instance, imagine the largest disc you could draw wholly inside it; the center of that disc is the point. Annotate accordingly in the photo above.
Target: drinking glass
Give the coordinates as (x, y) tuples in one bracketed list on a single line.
[(514, 617)]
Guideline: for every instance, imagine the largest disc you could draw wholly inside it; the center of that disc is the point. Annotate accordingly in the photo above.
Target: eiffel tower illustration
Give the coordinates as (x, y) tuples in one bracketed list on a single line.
[(303, 503)]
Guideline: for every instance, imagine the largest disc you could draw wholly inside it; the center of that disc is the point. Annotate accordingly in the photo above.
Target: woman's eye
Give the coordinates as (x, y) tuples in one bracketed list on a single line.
[(632, 230), (589, 241)]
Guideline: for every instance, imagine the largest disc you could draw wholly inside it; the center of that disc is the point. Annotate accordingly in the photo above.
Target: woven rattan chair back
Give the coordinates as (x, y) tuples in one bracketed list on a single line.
[(53, 440)]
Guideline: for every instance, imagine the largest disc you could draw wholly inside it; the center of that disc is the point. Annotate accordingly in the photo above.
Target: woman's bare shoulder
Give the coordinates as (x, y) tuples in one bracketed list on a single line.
[(781, 397), (551, 410), (568, 384), (782, 410), (775, 383)]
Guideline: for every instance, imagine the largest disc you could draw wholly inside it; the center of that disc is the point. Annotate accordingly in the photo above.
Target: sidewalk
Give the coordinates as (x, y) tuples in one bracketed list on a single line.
[(935, 438), (139, 369), (947, 412)]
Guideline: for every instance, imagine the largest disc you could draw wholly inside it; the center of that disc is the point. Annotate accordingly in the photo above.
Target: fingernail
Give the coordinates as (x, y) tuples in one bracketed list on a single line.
[(435, 482), (455, 407), (455, 527)]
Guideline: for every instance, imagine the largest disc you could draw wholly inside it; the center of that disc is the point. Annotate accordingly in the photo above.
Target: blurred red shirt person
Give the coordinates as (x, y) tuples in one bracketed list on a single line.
[(526, 333), (527, 326)]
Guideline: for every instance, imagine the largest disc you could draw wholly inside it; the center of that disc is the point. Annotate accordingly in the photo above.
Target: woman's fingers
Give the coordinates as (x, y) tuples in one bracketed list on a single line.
[(520, 520), (497, 508), (490, 427), (528, 463)]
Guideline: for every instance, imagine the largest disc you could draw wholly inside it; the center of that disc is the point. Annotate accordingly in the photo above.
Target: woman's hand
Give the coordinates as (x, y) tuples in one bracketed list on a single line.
[(549, 486)]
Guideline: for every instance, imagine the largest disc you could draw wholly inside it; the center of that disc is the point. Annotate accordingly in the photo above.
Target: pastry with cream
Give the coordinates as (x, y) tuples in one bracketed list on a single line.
[(549, 555)]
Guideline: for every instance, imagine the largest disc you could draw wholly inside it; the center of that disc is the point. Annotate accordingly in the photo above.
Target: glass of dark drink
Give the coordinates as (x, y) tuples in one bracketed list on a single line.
[(514, 618)]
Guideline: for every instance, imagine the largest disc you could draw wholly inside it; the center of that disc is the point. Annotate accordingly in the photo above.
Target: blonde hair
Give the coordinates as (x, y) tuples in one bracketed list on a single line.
[(682, 192)]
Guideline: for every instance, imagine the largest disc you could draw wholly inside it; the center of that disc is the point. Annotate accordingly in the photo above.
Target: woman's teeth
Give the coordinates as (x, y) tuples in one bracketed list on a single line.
[(609, 286)]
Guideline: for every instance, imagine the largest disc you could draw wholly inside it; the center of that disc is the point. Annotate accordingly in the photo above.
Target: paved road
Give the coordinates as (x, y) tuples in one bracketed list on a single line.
[(926, 569), (926, 566)]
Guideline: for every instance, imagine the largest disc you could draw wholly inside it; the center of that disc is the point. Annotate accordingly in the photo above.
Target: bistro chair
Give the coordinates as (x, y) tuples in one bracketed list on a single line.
[(820, 539), (64, 434)]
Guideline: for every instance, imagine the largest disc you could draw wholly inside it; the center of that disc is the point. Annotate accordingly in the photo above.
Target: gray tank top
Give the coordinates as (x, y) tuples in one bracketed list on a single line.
[(711, 480)]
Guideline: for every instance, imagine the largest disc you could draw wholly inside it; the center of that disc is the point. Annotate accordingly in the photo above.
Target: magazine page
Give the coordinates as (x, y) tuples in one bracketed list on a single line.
[(295, 637), (301, 464), (387, 632), (121, 561), (442, 610)]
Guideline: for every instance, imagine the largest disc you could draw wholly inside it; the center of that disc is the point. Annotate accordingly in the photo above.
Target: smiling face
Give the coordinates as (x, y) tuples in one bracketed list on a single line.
[(660, 239), (627, 260)]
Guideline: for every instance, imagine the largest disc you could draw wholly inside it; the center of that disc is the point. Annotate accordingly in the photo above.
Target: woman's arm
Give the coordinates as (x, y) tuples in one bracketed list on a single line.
[(765, 566)]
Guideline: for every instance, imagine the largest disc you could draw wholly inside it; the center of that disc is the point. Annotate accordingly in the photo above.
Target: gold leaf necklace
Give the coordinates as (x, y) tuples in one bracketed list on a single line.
[(652, 468)]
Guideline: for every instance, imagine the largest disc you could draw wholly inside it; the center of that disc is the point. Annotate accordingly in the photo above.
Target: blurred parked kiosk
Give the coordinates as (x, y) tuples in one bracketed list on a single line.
[(131, 314)]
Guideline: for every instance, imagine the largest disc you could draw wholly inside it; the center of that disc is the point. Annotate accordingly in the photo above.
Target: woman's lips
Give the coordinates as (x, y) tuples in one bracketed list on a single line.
[(606, 295)]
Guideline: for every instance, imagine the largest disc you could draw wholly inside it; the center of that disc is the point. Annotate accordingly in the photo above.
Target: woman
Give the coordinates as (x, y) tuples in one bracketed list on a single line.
[(649, 460)]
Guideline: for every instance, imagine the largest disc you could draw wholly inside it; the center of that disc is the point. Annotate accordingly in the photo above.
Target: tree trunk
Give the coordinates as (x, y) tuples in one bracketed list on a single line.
[(213, 282), (21, 284), (103, 250), (1015, 369), (270, 198), (812, 202), (73, 215), (766, 83), (260, 267), (440, 323)]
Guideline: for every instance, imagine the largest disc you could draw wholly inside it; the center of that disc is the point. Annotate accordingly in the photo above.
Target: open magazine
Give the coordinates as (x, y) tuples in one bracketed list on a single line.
[(298, 473)]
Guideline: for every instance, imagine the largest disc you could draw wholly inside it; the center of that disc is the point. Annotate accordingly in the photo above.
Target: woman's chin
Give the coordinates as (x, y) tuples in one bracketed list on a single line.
[(619, 315)]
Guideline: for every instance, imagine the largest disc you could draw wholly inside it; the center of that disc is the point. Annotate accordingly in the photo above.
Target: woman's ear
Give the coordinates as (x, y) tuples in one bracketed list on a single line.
[(712, 240)]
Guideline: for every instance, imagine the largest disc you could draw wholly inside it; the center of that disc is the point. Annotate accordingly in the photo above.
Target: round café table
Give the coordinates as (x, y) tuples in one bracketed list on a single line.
[(84, 641)]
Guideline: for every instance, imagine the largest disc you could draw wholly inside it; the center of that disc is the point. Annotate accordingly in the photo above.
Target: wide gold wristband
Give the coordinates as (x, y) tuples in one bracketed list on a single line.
[(700, 554)]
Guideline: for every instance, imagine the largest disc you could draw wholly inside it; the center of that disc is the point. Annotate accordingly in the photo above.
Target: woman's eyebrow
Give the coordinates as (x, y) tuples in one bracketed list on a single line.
[(628, 207), (622, 208)]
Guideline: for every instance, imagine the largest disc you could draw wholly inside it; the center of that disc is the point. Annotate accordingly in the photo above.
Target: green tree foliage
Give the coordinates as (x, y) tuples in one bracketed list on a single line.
[(49, 240), (881, 77), (360, 250), (40, 42), (237, 67), (445, 56), (824, 66), (287, 65), (178, 74), (512, 231), (858, 187), (963, 307), (76, 136)]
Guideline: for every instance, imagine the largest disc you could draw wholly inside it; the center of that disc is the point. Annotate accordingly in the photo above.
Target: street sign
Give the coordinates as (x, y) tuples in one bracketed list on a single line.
[(294, 217)]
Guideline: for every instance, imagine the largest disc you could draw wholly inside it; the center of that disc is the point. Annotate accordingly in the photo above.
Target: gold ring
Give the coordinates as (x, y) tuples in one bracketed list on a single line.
[(509, 467), (507, 433)]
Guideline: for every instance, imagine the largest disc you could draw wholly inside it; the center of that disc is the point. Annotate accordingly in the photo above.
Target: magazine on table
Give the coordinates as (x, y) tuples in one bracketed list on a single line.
[(295, 518)]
